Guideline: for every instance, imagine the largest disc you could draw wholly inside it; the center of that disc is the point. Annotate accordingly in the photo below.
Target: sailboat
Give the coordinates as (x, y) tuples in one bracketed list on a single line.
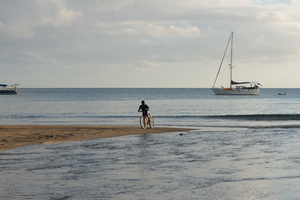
[(235, 88)]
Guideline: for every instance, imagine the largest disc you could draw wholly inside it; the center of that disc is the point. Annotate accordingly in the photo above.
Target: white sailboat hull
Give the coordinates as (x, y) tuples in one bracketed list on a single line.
[(240, 91)]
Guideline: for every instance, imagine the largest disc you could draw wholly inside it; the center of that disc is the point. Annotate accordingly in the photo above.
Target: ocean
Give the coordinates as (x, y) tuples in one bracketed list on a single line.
[(170, 107), (243, 147)]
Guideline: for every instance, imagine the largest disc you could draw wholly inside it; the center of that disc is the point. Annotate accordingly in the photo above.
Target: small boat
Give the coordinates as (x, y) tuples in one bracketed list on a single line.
[(283, 93), (241, 88), (11, 89)]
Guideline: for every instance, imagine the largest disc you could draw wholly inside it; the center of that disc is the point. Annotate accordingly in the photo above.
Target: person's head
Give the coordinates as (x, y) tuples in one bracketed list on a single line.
[(143, 102)]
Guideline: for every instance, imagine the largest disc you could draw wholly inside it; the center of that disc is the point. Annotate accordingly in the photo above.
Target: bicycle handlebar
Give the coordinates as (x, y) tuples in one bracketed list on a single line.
[(142, 111)]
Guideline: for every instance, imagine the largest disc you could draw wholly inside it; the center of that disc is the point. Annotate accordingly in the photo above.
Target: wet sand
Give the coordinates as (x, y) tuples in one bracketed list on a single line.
[(12, 136)]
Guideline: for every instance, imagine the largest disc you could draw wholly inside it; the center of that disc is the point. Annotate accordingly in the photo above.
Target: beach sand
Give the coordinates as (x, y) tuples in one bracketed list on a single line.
[(12, 136)]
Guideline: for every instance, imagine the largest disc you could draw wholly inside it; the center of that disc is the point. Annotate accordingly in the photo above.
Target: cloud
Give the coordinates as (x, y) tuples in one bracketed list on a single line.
[(172, 30), (147, 63), (24, 16), (154, 29), (76, 38)]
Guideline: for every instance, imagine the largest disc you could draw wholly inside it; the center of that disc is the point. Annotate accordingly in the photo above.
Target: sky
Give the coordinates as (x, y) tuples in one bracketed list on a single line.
[(148, 43)]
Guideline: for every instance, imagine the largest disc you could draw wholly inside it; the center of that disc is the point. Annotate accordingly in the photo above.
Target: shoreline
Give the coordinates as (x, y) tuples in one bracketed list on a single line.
[(12, 136)]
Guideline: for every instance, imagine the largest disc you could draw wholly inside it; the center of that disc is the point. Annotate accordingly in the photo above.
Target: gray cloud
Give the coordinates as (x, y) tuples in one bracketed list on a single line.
[(117, 43)]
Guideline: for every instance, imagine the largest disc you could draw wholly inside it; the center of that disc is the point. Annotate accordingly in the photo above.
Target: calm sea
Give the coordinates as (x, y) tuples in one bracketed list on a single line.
[(170, 107), (243, 147)]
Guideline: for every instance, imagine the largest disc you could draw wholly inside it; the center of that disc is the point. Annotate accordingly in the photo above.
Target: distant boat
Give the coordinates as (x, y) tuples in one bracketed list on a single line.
[(241, 88), (11, 89), (283, 93)]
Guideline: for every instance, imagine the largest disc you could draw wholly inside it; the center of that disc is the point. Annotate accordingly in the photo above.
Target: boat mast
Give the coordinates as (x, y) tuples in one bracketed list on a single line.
[(223, 60), (231, 59)]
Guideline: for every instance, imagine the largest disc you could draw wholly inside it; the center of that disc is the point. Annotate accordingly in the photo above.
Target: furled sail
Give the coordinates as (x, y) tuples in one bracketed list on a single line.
[(238, 83)]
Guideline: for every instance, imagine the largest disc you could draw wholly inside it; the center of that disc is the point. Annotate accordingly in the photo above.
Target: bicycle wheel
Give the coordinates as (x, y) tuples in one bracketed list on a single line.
[(143, 122), (151, 123)]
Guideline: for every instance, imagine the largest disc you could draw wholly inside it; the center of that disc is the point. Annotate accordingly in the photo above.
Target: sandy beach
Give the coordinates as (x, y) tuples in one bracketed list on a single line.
[(12, 136)]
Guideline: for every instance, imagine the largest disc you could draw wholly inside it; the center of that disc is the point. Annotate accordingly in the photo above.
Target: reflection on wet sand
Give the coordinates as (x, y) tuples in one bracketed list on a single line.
[(201, 164)]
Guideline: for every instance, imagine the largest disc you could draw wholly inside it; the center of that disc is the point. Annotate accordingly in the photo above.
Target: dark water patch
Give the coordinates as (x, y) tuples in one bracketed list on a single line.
[(258, 117), (292, 126), (195, 118), (263, 178)]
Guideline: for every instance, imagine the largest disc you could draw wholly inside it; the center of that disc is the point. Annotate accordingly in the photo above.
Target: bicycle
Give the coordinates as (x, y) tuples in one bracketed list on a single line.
[(145, 123)]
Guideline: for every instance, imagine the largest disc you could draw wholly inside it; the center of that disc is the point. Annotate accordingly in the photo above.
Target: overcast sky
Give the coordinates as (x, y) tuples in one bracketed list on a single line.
[(147, 43)]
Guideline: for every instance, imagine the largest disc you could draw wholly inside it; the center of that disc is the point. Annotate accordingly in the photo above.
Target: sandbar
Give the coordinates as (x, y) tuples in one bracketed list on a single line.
[(12, 136)]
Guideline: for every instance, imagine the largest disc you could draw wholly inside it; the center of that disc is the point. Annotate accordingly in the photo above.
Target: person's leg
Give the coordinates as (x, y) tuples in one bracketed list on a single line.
[(148, 116)]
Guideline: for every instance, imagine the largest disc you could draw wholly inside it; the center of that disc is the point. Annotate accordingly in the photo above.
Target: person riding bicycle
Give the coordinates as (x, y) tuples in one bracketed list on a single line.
[(145, 109)]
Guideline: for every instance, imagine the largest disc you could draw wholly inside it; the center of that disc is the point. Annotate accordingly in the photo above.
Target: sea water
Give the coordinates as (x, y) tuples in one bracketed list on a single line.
[(170, 107), (243, 147)]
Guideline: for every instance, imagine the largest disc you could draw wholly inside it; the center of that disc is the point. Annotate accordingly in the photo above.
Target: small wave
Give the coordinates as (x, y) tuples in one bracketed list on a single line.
[(22, 116), (259, 117), (246, 117), (278, 126), (254, 117)]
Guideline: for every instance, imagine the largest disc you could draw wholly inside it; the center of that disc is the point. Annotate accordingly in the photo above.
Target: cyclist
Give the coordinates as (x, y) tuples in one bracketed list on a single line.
[(145, 109)]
